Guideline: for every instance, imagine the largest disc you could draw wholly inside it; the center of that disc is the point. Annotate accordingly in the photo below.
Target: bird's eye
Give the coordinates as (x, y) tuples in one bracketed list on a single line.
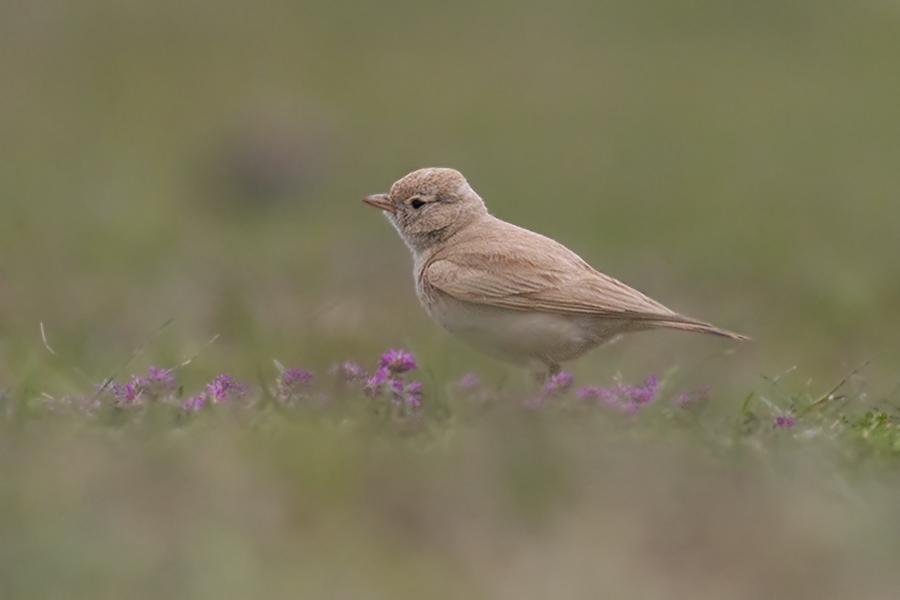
[(417, 204)]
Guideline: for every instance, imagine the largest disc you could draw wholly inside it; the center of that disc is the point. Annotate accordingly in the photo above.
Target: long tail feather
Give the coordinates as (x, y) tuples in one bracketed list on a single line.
[(701, 327)]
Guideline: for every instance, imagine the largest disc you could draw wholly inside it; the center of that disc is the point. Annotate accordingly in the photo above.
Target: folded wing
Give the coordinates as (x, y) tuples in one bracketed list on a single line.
[(523, 270), (523, 274)]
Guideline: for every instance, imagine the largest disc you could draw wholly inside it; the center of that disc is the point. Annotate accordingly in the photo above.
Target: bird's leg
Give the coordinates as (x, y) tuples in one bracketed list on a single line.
[(541, 376)]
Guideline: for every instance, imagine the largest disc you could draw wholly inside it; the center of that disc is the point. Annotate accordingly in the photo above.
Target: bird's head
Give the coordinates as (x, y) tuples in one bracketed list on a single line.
[(429, 205)]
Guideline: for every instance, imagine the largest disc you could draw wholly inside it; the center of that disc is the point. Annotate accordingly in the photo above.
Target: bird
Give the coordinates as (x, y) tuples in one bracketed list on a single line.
[(508, 291)]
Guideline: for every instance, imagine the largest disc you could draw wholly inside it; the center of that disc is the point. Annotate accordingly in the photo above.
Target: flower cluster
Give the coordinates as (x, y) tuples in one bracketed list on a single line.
[(160, 382), (293, 385), (556, 385), (220, 389), (783, 421), (294, 378), (397, 362), (389, 376), (629, 398)]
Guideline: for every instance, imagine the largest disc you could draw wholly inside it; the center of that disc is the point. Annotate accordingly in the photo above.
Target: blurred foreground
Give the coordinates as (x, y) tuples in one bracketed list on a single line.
[(325, 487)]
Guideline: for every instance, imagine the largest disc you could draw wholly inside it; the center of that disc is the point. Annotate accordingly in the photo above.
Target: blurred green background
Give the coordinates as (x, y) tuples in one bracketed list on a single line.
[(204, 162)]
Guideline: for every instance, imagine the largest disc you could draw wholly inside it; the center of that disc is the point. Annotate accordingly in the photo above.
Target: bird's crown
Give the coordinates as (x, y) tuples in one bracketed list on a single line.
[(437, 182)]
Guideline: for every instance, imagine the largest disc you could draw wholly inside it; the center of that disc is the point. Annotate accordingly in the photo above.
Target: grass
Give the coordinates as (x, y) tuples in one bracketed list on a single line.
[(200, 164), (323, 485)]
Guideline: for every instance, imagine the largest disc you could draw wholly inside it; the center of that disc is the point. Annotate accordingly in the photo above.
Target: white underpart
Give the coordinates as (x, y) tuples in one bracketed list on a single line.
[(520, 336)]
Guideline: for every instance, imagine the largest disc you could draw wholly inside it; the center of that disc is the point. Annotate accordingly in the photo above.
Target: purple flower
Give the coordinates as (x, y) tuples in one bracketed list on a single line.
[(626, 397), (396, 389), (392, 365), (219, 388), (783, 421), (558, 384), (194, 402), (296, 378), (349, 370), (402, 392), (413, 393), (397, 361), (293, 385), (159, 382), (469, 380), (161, 376), (372, 385), (129, 392)]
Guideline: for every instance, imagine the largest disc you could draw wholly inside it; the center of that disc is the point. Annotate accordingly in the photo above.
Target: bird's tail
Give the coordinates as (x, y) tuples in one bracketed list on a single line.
[(701, 327)]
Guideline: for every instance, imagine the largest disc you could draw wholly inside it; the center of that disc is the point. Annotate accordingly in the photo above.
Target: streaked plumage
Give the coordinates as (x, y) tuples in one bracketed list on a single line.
[(512, 292)]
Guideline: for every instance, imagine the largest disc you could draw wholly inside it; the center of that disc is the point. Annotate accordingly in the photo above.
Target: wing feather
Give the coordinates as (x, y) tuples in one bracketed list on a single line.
[(522, 270)]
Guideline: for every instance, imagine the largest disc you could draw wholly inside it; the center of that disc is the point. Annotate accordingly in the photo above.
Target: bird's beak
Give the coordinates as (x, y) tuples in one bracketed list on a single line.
[(382, 201)]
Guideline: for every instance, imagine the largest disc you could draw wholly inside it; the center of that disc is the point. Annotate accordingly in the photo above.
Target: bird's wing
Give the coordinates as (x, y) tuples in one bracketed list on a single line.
[(522, 270)]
